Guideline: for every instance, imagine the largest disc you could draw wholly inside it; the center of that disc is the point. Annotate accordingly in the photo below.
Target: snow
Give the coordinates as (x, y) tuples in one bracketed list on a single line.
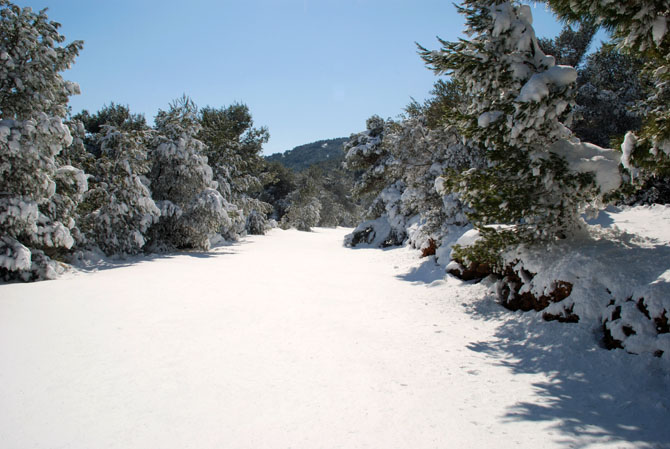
[(468, 238), (538, 86), (623, 259), (587, 157), (292, 340), (486, 118), (658, 29), (627, 147)]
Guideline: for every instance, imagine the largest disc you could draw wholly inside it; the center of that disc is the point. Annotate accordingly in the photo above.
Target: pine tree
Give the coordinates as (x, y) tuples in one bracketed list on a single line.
[(233, 149), (118, 209), (364, 153), (37, 195), (304, 207), (192, 209), (536, 181), (281, 181)]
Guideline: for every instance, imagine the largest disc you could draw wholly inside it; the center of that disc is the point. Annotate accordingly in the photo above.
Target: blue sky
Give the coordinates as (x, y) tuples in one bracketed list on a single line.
[(307, 69)]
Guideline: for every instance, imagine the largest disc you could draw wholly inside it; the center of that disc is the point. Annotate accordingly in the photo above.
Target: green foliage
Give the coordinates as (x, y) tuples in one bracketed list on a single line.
[(487, 249), (114, 115), (367, 155)]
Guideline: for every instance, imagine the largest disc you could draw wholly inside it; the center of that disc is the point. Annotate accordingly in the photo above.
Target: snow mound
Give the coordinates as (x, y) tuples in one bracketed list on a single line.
[(538, 86), (619, 275), (587, 157)]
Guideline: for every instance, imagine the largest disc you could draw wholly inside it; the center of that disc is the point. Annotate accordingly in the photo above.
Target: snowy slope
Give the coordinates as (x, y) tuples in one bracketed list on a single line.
[(293, 341)]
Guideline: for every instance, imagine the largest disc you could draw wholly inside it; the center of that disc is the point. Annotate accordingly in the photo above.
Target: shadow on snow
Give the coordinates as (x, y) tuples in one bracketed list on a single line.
[(428, 272), (592, 395), (109, 263)]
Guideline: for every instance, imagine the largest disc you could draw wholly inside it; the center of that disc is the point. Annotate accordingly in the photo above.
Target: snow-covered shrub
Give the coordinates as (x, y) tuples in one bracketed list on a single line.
[(389, 226), (638, 325), (302, 215), (537, 179), (615, 281), (118, 209), (182, 185)]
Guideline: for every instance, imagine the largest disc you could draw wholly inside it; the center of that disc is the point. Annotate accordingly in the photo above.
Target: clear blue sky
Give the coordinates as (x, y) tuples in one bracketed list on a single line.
[(307, 69)]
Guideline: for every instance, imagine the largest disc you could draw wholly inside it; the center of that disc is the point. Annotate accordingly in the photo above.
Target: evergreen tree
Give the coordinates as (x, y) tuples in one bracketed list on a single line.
[(233, 148), (192, 209), (37, 195), (281, 181), (418, 149), (118, 209), (536, 180), (304, 208), (364, 153)]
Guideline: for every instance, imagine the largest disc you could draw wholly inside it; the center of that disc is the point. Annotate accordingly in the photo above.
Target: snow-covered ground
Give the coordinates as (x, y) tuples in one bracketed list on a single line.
[(293, 341)]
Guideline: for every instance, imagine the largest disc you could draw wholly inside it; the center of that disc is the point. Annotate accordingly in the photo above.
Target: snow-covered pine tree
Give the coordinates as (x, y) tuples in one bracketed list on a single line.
[(378, 182), (182, 185), (233, 149), (338, 207), (118, 209), (365, 154), (640, 28), (304, 208), (37, 196), (418, 149), (426, 149), (537, 181), (281, 181)]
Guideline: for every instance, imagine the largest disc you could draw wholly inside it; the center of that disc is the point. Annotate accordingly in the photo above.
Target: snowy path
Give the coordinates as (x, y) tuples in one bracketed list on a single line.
[(292, 341)]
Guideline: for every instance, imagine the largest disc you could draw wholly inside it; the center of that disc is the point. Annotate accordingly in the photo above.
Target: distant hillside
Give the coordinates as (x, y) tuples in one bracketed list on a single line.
[(322, 152)]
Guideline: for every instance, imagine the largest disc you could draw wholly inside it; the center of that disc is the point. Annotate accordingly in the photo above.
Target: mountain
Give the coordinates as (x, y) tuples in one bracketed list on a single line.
[(322, 152)]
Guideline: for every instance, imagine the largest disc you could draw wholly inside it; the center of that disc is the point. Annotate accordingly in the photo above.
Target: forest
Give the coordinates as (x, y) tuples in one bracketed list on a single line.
[(522, 141)]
